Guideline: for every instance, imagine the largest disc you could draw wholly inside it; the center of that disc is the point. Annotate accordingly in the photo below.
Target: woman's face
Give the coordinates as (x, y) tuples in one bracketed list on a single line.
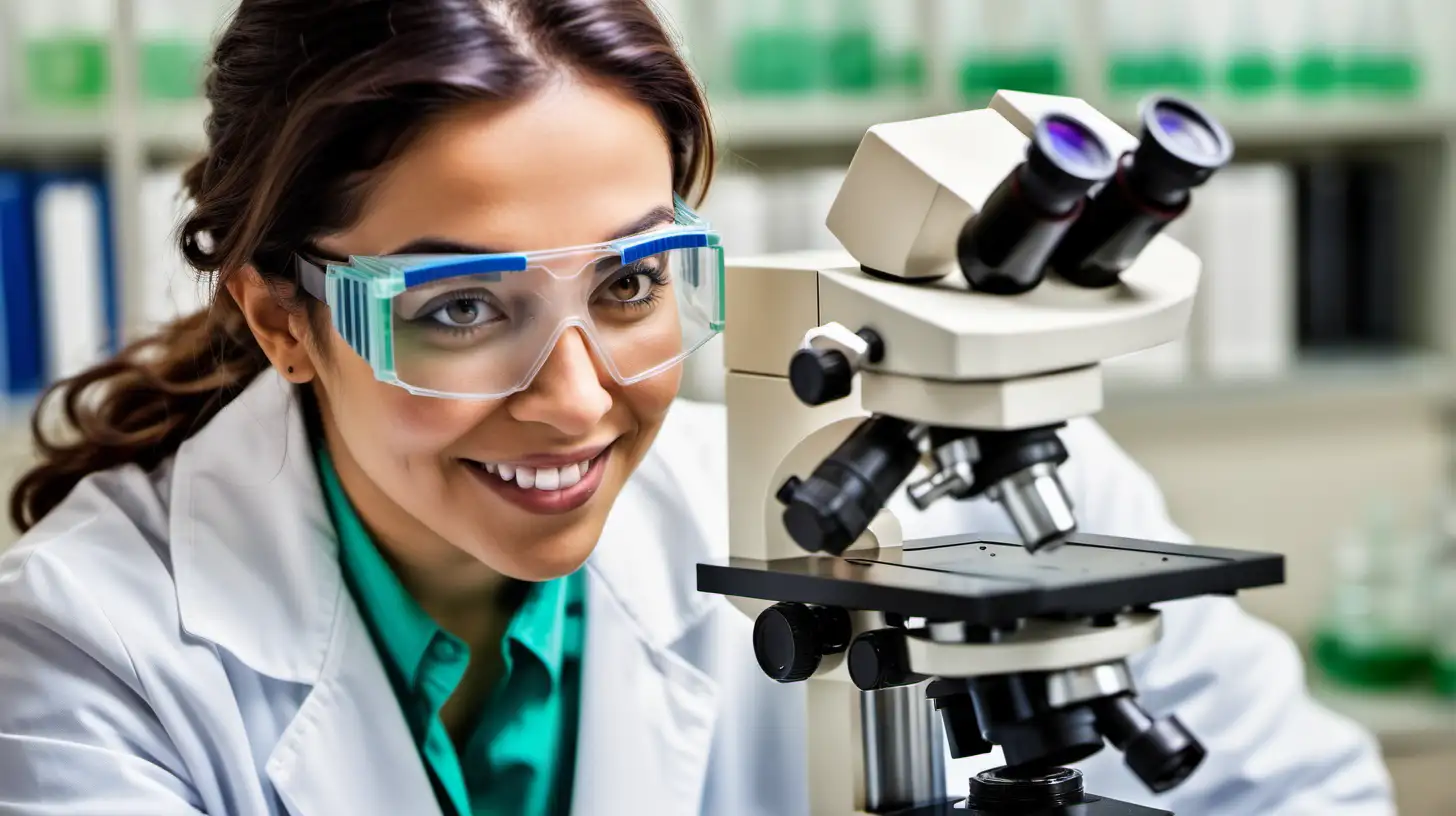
[(575, 164)]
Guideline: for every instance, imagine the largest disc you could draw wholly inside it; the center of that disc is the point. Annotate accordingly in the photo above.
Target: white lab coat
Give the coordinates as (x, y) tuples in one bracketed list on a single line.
[(182, 642)]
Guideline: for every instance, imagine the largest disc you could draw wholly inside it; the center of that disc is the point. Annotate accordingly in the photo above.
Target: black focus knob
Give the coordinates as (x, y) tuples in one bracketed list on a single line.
[(820, 376), (878, 660), (790, 639)]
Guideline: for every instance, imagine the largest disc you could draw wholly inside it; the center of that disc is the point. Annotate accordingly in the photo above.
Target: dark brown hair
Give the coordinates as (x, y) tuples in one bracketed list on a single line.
[(307, 97)]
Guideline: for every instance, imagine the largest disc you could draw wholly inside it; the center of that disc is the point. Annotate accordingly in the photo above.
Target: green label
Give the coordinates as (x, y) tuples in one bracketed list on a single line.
[(769, 61), (851, 61), (981, 77), (67, 70), (1316, 73), (1382, 74), (1138, 73), (1251, 74), (172, 69)]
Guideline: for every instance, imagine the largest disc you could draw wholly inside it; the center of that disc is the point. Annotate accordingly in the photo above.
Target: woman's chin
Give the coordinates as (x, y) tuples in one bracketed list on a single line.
[(542, 557)]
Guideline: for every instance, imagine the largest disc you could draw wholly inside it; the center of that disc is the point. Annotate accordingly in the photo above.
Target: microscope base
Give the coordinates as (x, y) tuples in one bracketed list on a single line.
[(1088, 805), (992, 580)]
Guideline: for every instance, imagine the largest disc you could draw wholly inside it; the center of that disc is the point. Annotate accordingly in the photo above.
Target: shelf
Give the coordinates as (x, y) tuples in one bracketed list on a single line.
[(747, 125), (165, 129), (810, 122), (1404, 721), (1323, 381)]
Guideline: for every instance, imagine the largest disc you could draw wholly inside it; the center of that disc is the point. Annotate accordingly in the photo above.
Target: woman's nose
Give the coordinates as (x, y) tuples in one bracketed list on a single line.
[(568, 392)]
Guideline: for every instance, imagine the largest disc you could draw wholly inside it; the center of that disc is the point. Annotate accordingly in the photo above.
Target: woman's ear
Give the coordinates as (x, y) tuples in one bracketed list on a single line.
[(281, 332)]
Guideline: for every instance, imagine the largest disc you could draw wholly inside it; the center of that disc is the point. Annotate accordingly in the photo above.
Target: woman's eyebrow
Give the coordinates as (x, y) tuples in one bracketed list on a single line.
[(431, 246)]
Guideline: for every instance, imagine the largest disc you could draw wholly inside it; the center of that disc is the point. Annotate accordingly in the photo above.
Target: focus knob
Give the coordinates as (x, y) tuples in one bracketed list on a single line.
[(878, 660), (789, 639), (820, 375)]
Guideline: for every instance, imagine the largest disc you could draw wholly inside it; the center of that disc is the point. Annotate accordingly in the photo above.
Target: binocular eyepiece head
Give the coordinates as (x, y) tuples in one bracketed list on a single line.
[(1040, 217)]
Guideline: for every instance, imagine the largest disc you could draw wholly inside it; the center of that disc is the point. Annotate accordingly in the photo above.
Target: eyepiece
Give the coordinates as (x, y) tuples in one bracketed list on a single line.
[(1181, 147), (1064, 161), (1005, 248)]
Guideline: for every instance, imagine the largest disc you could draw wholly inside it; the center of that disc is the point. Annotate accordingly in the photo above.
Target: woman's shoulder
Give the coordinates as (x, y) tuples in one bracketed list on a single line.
[(96, 567)]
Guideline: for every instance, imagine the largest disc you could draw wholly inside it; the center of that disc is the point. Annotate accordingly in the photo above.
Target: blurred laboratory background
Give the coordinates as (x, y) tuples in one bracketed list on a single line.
[(1308, 412)]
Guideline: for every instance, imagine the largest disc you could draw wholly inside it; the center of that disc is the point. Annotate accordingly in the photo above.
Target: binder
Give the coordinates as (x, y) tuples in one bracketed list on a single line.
[(1378, 257), (173, 288), (1246, 306), (78, 295), (1324, 258), (22, 364)]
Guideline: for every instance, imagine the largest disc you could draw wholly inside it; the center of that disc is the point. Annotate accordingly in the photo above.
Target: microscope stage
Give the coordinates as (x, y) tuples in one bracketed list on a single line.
[(993, 579)]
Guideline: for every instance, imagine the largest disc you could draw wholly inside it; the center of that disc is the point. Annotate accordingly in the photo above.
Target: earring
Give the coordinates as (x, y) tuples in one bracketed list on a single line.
[(290, 369)]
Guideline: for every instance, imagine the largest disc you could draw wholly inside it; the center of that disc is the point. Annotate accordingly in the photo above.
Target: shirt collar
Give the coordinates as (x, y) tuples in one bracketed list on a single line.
[(404, 629)]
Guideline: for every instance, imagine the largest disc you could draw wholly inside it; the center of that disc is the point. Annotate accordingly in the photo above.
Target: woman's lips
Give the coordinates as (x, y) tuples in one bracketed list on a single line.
[(544, 490)]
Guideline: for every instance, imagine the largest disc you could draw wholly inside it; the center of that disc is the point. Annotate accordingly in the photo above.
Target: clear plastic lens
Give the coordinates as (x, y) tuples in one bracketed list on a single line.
[(487, 335)]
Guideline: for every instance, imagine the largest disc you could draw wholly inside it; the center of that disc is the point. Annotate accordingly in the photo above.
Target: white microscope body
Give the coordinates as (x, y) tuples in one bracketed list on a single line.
[(893, 327)]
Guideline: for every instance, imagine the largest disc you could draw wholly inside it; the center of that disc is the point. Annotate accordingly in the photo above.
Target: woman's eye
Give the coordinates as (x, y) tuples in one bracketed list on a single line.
[(464, 313), (631, 289)]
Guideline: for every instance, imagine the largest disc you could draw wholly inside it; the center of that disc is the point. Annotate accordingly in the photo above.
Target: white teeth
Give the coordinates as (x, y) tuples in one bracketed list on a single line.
[(541, 478)]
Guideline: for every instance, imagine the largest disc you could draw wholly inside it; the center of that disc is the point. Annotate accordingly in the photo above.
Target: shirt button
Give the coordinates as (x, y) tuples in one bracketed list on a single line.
[(446, 650)]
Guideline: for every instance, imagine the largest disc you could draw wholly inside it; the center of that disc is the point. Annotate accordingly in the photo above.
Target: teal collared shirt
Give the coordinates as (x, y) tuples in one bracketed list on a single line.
[(520, 755)]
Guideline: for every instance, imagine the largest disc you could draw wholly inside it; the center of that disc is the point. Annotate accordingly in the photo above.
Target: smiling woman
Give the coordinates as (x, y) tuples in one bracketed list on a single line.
[(408, 521), (457, 234)]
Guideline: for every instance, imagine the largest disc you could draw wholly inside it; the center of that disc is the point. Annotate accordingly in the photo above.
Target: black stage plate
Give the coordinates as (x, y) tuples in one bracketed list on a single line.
[(990, 580)]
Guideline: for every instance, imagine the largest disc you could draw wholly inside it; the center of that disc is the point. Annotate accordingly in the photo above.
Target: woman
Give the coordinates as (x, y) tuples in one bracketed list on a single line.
[(311, 560)]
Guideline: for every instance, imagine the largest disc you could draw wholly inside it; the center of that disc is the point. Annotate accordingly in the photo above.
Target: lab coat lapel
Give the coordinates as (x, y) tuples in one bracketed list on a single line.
[(349, 749), (647, 712), (257, 572)]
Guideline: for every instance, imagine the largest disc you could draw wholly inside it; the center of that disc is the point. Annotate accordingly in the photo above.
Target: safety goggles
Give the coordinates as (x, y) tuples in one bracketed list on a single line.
[(481, 326)]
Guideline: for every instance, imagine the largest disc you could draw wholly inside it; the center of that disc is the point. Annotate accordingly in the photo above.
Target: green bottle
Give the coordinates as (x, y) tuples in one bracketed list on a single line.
[(1318, 69), (174, 42), (1022, 51), (1152, 50), (65, 51), (967, 40), (850, 51), (1382, 62), (900, 59), (1251, 70), (775, 48)]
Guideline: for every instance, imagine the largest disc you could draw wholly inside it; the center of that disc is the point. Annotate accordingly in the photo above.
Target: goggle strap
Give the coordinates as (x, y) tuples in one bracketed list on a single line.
[(312, 278)]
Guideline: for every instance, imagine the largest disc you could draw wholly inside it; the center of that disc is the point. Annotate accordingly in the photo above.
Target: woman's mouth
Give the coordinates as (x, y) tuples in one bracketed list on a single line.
[(546, 489)]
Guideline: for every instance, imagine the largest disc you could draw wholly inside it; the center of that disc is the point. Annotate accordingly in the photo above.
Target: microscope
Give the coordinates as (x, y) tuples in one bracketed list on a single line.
[(992, 260)]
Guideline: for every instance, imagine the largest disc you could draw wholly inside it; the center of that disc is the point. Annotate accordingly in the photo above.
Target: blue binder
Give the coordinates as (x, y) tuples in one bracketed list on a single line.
[(22, 357), (95, 183)]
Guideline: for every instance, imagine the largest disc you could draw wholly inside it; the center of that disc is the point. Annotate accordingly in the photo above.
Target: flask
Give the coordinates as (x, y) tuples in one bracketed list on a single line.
[(1375, 630)]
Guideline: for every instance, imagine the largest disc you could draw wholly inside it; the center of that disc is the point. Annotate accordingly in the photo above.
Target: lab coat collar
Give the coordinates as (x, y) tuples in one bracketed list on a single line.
[(255, 555), (254, 551)]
